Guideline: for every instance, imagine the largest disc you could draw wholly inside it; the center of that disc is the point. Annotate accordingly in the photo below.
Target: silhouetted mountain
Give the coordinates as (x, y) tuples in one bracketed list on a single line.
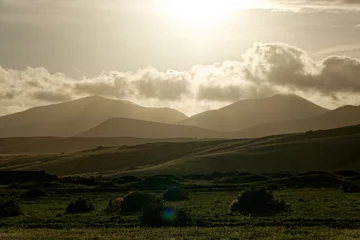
[(124, 127), (73, 117), (247, 113), (340, 117)]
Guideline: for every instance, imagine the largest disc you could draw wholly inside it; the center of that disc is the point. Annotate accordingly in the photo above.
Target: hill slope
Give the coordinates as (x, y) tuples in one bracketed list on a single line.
[(247, 113), (73, 117), (341, 117), (329, 150), (47, 145), (124, 127)]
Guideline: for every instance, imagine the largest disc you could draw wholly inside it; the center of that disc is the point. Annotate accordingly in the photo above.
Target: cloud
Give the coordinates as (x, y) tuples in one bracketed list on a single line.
[(286, 66), (265, 69), (312, 4)]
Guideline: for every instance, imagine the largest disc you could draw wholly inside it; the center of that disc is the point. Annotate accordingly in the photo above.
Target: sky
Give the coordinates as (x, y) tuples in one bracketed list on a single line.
[(192, 55)]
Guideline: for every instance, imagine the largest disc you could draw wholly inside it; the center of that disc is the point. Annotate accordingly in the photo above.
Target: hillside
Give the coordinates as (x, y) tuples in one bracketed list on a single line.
[(46, 145), (73, 117), (247, 113), (341, 117), (124, 127), (327, 150)]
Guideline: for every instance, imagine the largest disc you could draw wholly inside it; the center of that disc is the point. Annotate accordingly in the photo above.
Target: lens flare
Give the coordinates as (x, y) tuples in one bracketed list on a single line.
[(168, 214)]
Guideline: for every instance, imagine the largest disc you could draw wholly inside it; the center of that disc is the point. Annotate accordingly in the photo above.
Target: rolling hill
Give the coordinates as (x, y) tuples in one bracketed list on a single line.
[(48, 145), (340, 117), (326, 150), (124, 127), (247, 113), (73, 117)]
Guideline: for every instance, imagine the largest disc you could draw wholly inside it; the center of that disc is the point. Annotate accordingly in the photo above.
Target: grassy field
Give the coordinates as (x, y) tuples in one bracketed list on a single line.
[(209, 209), (321, 212), (218, 233)]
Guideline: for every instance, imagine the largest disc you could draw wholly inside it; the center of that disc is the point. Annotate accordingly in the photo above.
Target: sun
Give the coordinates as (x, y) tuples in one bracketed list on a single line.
[(198, 13)]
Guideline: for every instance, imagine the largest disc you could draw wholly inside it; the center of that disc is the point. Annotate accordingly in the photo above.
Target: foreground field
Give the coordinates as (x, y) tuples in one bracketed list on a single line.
[(218, 233), (320, 206)]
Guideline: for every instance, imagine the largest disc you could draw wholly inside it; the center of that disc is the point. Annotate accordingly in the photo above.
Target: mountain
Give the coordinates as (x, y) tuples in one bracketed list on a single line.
[(247, 113), (326, 150), (340, 117), (124, 127), (73, 117)]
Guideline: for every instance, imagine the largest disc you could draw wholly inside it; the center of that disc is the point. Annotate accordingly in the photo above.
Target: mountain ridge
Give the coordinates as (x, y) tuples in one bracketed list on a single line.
[(125, 127), (250, 112), (76, 116)]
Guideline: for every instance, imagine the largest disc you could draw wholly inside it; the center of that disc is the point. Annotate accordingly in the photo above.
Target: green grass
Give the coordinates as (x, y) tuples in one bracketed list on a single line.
[(309, 207), (315, 213), (243, 232)]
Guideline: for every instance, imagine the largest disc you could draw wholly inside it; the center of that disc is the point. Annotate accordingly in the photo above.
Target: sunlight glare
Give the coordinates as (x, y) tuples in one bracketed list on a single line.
[(199, 13)]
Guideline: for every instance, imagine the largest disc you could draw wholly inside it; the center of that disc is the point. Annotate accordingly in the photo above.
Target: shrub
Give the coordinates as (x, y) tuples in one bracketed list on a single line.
[(157, 215), (9, 208), (33, 194), (175, 194), (81, 205), (257, 202), (351, 188), (135, 201)]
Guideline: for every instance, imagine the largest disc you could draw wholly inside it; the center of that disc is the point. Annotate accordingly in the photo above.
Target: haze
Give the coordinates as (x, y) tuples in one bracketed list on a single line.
[(189, 55)]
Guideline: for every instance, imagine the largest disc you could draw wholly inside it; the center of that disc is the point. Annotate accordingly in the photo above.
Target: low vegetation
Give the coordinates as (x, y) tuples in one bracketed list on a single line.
[(33, 194), (175, 194), (9, 208), (81, 205), (257, 202), (158, 215), (135, 201)]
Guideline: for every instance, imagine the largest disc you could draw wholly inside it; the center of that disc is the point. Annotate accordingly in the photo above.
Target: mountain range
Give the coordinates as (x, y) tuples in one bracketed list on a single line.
[(100, 117), (73, 117)]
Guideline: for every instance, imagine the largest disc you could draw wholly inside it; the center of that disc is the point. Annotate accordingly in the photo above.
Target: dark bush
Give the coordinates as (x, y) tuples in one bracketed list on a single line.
[(175, 194), (81, 205), (9, 208), (257, 202), (135, 201), (351, 188), (33, 194), (157, 215)]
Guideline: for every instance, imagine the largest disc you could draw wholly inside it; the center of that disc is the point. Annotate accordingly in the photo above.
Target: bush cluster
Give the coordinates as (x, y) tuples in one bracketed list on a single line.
[(33, 194), (175, 194), (135, 201), (351, 188), (9, 208), (81, 205), (257, 202)]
